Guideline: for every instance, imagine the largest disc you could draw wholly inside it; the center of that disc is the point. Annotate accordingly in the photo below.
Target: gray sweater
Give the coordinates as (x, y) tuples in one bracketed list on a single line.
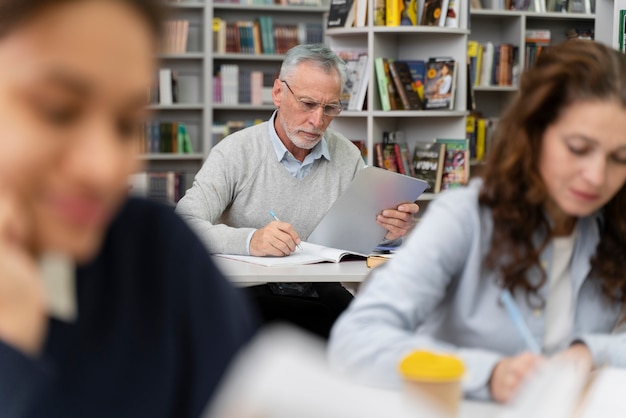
[(242, 180)]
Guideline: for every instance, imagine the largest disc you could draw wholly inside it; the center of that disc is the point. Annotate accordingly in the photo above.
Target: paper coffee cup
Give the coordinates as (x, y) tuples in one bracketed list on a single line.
[(436, 377)]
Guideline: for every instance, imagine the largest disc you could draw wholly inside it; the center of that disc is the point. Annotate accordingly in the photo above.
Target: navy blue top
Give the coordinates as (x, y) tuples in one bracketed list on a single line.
[(156, 329)]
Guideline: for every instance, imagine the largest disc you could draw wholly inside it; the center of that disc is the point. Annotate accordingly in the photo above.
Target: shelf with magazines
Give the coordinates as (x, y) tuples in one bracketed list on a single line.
[(248, 43), (413, 122)]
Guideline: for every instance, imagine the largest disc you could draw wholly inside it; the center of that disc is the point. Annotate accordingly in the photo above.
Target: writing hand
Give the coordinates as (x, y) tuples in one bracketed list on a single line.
[(275, 239), (509, 374), (398, 222)]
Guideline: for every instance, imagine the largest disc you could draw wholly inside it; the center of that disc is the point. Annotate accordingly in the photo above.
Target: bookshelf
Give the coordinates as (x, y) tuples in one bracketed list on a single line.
[(282, 16), (404, 43), (188, 63), (509, 26)]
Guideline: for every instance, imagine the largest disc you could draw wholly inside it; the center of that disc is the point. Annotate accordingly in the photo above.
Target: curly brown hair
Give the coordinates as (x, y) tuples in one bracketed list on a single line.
[(574, 71), (14, 13)]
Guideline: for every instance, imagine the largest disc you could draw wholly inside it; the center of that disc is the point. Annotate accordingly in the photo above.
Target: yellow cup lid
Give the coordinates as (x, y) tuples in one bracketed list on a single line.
[(426, 365)]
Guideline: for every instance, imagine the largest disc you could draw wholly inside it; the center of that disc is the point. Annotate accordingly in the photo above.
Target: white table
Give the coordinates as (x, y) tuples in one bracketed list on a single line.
[(244, 273)]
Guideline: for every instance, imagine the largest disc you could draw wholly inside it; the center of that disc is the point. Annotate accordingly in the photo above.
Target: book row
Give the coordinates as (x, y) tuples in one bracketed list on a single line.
[(221, 130), (561, 6), (443, 163), (416, 84), (165, 137), (492, 65), (498, 65), (315, 3), (163, 186), (479, 131), (262, 36), (165, 90), (175, 36), (349, 13), (232, 86)]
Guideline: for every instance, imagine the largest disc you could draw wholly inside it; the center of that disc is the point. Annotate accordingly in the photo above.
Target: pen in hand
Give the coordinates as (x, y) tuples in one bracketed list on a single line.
[(278, 220), (518, 321)]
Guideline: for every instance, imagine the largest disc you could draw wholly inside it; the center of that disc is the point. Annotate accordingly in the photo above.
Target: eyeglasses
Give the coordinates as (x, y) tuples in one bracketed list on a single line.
[(308, 105)]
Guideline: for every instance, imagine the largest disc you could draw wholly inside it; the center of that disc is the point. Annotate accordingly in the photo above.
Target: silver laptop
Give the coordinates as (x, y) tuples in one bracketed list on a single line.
[(350, 223)]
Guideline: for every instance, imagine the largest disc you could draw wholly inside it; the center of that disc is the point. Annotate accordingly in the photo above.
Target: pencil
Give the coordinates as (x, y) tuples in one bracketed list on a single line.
[(520, 325)]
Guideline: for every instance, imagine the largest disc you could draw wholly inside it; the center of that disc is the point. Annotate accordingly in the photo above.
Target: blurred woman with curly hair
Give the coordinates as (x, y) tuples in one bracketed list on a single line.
[(546, 222)]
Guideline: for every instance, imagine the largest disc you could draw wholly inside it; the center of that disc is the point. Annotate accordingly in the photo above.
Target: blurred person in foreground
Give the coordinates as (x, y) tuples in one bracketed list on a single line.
[(108, 307), (547, 222)]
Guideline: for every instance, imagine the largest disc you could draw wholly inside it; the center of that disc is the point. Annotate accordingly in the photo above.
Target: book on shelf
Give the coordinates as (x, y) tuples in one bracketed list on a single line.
[(452, 15), (309, 254), (408, 16), (176, 33), (440, 83), (428, 163), (393, 12), (390, 159), (456, 168), (162, 186), (360, 14), (362, 146), (380, 12), (487, 64), (393, 153), (404, 158), (352, 95), (432, 12), (341, 14), (167, 91), (417, 68), (403, 80), (389, 98), (474, 57), (504, 65), (357, 99)]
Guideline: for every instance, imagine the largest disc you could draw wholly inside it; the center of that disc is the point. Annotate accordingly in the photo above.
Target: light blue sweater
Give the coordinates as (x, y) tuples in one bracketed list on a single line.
[(435, 294)]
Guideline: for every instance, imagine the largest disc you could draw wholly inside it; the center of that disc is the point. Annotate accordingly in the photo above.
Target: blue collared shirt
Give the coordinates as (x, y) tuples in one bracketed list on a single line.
[(296, 168)]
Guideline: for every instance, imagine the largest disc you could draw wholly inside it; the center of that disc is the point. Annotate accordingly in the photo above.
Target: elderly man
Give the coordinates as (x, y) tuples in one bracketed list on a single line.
[(292, 165)]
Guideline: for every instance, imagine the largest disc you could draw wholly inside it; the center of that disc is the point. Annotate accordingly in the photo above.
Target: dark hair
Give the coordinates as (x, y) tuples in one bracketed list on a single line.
[(574, 71), (14, 13)]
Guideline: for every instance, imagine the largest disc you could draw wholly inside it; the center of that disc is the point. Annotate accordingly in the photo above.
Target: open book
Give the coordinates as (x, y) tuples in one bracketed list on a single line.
[(309, 254)]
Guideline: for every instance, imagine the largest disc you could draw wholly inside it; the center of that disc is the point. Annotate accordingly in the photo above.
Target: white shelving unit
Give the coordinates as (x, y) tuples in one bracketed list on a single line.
[(607, 21), (191, 69), (509, 26), (406, 43), (268, 63)]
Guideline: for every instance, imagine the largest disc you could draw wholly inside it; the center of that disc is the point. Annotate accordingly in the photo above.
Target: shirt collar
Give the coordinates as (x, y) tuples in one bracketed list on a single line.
[(318, 151)]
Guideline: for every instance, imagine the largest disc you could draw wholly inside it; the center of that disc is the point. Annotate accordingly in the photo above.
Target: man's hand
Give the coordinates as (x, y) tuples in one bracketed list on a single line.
[(23, 319), (509, 373), (398, 222), (275, 239)]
